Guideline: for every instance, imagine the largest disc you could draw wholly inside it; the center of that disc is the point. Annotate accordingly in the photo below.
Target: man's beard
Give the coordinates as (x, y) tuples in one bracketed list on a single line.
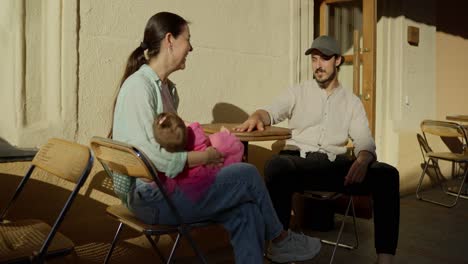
[(325, 82)]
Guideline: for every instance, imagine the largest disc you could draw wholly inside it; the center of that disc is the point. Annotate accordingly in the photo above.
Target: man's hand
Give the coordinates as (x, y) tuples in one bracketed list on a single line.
[(213, 158), (358, 170), (257, 121)]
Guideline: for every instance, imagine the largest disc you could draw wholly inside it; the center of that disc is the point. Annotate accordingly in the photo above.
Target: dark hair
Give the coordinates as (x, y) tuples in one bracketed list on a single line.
[(156, 29), (170, 132), (342, 61)]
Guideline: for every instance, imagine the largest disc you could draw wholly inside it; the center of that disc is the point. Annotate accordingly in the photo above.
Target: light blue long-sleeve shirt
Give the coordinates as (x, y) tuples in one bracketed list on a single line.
[(138, 103)]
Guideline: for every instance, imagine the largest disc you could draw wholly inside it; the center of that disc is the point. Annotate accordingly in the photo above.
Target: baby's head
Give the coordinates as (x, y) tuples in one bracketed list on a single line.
[(170, 132)]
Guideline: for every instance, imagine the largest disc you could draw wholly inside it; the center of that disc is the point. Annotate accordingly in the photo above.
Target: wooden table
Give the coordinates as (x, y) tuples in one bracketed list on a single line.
[(270, 133), (458, 118)]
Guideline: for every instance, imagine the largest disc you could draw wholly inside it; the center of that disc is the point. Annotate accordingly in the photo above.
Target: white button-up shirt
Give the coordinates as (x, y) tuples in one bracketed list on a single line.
[(321, 122)]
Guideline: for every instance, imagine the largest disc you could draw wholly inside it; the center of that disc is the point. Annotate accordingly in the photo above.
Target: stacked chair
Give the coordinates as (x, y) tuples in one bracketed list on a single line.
[(446, 131), (33, 240)]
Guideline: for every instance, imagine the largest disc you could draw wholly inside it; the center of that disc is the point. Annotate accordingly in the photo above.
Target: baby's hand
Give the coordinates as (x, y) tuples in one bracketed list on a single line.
[(214, 158), (224, 129)]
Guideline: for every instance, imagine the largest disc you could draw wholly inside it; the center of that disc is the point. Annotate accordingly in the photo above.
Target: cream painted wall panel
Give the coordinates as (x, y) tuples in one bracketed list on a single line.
[(410, 160), (10, 32), (389, 86), (406, 90), (35, 102), (100, 72), (42, 87), (241, 55), (418, 96), (230, 78), (452, 77)]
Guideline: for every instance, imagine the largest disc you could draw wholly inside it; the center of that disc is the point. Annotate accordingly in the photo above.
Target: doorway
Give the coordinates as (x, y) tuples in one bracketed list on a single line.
[(353, 23)]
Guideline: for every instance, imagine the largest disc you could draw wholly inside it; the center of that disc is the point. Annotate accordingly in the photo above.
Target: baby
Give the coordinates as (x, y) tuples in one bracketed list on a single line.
[(173, 134)]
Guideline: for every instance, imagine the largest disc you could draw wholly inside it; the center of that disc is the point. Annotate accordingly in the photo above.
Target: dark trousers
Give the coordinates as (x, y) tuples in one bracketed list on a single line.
[(288, 173)]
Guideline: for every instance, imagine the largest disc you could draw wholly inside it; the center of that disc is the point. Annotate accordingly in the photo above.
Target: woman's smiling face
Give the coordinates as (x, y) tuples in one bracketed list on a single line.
[(181, 47)]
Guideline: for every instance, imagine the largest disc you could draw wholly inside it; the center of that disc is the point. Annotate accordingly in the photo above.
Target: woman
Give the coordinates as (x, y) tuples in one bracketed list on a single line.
[(237, 198)]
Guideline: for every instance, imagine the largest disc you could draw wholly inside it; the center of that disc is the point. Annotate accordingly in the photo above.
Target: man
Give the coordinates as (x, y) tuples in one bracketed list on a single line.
[(323, 116)]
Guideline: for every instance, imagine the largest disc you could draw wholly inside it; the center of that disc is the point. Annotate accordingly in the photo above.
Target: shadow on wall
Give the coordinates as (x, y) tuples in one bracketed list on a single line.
[(228, 113), (446, 16)]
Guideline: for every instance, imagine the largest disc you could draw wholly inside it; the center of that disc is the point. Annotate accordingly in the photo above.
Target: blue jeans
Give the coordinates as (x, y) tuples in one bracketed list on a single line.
[(238, 199)]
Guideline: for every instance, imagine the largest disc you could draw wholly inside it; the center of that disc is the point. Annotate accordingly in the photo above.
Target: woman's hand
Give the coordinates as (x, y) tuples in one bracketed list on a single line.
[(213, 158)]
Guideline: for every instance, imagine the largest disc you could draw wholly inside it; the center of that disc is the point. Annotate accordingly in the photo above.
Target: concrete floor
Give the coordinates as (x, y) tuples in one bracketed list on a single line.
[(429, 233)]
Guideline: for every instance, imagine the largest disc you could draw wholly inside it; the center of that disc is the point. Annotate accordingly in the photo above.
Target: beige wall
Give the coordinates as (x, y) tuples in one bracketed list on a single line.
[(63, 60), (38, 70), (241, 55), (452, 77), (452, 59), (406, 83), (417, 82)]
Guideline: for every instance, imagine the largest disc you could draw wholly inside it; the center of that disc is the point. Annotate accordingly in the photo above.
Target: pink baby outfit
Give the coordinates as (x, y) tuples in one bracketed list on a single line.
[(194, 182)]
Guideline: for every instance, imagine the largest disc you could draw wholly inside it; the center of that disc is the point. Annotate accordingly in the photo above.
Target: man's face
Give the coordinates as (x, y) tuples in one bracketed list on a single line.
[(324, 68)]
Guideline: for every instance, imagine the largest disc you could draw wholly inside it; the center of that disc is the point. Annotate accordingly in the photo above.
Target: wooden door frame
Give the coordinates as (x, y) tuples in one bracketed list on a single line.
[(368, 52)]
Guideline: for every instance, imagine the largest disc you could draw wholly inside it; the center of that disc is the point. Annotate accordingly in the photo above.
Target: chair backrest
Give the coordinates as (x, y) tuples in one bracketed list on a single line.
[(423, 144), (67, 160), (120, 158), (445, 130), (127, 161), (64, 159), (122, 163)]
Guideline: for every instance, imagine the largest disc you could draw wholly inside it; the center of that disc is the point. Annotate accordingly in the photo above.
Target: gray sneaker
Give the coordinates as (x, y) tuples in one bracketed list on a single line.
[(295, 247)]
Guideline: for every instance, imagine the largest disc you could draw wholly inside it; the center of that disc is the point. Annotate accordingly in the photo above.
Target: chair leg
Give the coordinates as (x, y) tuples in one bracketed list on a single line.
[(337, 242), (460, 188), (463, 193), (448, 205), (114, 241), (354, 225), (155, 247), (174, 247), (421, 180), (185, 232)]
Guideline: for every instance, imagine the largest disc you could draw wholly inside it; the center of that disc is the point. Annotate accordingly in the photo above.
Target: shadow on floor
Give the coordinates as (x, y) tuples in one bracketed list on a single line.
[(89, 227), (429, 234)]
